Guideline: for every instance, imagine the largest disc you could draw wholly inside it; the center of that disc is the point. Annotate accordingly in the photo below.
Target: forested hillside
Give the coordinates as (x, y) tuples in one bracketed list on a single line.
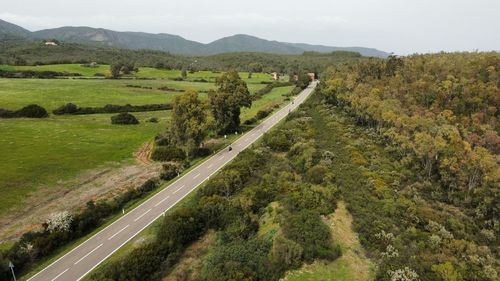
[(437, 117), (36, 53)]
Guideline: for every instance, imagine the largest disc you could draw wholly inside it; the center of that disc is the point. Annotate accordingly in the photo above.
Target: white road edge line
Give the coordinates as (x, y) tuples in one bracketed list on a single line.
[(152, 198), (88, 254), (139, 217), (112, 236), (178, 189), (60, 274), (163, 200)]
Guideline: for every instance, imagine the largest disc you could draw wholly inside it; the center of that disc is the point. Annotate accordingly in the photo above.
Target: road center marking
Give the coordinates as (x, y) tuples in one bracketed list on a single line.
[(210, 166), (178, 189), (222, 157), (111, 237), (197, 175), (139, 217), (163, 200), (86, 255), (60, 274)]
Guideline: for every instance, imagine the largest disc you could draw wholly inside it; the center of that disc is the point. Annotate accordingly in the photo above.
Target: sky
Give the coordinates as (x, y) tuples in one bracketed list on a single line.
[(399, 26)]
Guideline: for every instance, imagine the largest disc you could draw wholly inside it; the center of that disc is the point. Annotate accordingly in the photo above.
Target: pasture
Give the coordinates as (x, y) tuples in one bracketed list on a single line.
[(52, 93), (39, 152), (144, 72)]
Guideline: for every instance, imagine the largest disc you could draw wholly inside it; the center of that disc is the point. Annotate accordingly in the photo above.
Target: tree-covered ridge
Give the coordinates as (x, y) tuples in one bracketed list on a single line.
[(36, 53), (437, 116)]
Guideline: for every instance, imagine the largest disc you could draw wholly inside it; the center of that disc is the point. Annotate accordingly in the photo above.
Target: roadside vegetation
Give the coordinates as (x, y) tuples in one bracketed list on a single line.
[(265, 207)]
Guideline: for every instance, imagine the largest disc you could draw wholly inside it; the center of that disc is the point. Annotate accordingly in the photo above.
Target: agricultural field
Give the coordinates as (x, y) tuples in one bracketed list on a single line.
[(52, 93), (42, 152), (144, 72), (275, 97)]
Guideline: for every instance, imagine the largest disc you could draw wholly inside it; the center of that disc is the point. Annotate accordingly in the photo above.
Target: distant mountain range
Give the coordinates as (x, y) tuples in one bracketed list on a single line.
[(170, 43)]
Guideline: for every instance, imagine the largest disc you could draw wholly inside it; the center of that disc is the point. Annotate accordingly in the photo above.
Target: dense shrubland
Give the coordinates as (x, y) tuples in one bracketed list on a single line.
[(427, 144)]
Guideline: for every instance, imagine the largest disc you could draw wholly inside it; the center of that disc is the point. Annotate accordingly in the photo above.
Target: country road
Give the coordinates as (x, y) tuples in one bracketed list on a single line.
[(84, 258)]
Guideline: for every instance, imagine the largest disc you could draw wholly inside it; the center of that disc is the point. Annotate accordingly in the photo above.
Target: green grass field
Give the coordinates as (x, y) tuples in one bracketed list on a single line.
[(52, 93), (144, 72), (71, 68)]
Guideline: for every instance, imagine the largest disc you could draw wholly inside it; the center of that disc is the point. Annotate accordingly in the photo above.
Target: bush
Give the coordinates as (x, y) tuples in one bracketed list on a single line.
[(124, 119), (263, 113), (312, 234), (199, 152), (317, 174), (153, 120), (109, 108), (68, 108), (35, 74), (278, 141), (32, 111), (250, 121), (169, 172), (5, 113), (162, 140), (168, 153), (148, 186)]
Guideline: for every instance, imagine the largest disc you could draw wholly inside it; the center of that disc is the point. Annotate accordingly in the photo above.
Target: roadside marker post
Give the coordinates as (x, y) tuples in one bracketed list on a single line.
[(11, 265)]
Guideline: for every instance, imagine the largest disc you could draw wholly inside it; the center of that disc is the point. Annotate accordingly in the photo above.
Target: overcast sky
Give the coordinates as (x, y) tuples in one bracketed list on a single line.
[(400, 26)]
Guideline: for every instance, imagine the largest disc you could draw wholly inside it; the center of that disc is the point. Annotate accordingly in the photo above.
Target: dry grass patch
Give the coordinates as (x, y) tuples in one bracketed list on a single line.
[(189, 266), (352, 265)]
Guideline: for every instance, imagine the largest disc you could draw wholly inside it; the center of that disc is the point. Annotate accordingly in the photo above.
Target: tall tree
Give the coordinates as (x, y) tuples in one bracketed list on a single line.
[(188, 124), (226, 102), (115, 69)]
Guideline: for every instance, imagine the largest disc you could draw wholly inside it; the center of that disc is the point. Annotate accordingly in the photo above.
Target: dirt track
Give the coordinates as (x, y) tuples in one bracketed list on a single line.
[(143, 155)]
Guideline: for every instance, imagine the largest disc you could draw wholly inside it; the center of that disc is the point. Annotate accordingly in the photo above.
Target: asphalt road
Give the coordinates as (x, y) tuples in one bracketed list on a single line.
[(83, 259)]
